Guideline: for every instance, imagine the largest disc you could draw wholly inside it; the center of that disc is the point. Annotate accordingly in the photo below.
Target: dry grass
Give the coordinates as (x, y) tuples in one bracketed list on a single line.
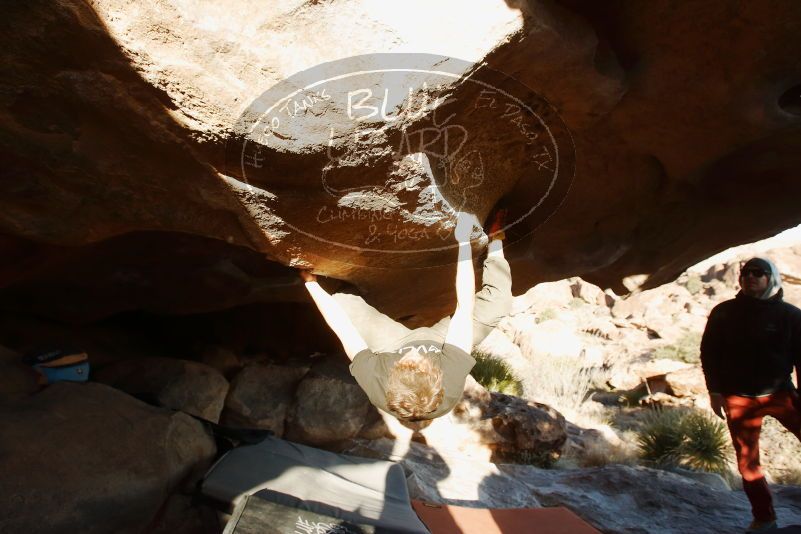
[(566, 384), (563, 383), (600, 453)]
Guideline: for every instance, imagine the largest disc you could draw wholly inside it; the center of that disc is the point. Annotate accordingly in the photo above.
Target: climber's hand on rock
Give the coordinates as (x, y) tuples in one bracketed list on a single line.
[(307, 276), (464, 226)]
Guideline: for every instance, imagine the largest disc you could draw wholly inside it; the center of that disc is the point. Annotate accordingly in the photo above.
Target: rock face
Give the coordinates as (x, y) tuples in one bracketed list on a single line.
[(614, 498), (16, 379), (159, 158), (324, 406), (512, 428), (330, 406), (88, 458), (630, 359), (191, 387), (121, 120), (260, 396), (686, 382)]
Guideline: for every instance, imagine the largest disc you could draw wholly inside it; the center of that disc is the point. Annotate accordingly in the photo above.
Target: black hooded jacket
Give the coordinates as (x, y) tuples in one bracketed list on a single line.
[(750, 346)]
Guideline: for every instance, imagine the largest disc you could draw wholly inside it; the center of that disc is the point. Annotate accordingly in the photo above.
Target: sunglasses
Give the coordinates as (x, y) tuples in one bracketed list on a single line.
[(756, 273)]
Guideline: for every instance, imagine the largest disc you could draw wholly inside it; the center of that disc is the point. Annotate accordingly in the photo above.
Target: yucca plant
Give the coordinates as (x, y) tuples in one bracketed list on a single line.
[(660, 436), (704, 446), (495, 375), (679, 438)]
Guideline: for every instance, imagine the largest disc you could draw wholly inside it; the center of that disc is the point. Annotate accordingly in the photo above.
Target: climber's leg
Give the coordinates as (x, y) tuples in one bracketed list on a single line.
[(494, 300)]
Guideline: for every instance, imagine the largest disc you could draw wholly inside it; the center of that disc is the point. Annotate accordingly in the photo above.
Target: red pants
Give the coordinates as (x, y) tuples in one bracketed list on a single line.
[(744, 417)]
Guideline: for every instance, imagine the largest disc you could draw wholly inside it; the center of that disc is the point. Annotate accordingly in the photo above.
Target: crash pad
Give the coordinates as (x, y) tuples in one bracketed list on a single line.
[(360, 491), (444, 519)]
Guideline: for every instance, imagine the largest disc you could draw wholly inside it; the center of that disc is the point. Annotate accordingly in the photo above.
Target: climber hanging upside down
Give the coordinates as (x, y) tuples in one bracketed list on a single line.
[(419, 375)]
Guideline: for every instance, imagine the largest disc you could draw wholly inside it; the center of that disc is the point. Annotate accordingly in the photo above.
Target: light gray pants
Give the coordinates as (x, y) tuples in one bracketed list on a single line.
[(382, 333)]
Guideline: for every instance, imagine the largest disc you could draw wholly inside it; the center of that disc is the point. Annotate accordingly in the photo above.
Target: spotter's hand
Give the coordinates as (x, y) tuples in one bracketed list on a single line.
[(717, 404)]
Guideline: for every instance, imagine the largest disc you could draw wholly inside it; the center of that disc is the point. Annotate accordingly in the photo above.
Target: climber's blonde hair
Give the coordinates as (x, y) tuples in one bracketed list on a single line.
[(414, 388)]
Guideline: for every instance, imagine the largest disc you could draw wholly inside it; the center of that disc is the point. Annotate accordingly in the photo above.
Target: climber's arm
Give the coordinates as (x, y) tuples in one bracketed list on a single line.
[(460, 331), (335, 316)]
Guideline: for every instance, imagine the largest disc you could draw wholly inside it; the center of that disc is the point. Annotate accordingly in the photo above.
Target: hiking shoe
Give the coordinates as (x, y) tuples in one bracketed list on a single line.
[(498, 222), (761, 526)]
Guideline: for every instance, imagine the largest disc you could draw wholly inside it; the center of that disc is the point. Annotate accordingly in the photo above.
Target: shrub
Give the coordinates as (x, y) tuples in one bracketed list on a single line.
[(687, 349), (600, 452), (545, 315), (599, 455), (576, 303), (688, 439), (694, 284), (660, 437), (704, 447), (564, 383), (495, 375)]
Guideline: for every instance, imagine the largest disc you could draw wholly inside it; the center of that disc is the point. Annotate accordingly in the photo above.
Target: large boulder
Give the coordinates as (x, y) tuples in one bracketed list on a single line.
[(615, 498), (191, 387), (619, 498), (261, 395), (635, 373), (325, 406), (589, 293), (181, 515), (224, 360), (687, 382), (514, 429), (135, 154), (329, 405), (89, 458), (17, 380), (548, 295), (497, 427)]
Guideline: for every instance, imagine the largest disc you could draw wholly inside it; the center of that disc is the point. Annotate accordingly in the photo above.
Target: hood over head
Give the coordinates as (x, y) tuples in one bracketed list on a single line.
[(775, 280)]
